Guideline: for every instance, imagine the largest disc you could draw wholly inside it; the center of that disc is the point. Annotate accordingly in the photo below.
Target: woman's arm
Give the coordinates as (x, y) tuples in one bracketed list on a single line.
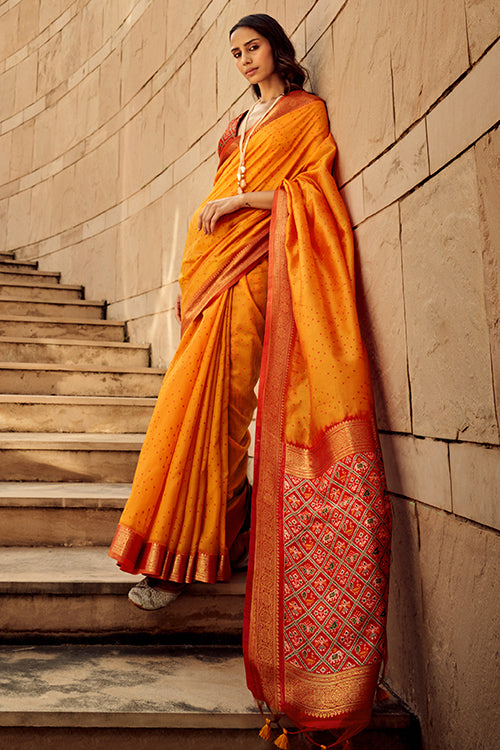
[(214, 210)]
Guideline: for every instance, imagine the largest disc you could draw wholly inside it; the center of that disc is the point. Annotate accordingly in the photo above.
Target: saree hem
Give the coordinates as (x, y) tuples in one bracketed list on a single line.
[(153, 559)]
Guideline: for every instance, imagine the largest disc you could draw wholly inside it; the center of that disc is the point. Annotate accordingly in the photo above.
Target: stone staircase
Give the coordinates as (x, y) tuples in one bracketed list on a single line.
[(79, 665)]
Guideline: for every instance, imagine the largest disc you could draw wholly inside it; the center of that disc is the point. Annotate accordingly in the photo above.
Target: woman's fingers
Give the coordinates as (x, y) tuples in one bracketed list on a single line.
[(213, 211), (214, 219), (209, 217)]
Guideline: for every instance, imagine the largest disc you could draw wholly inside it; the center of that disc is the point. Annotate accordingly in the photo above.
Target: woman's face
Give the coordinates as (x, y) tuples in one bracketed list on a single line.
[(253, 54)]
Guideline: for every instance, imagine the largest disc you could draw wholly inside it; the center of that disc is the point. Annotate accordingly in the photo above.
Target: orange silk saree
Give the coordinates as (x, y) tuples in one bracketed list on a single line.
[(314, 630)]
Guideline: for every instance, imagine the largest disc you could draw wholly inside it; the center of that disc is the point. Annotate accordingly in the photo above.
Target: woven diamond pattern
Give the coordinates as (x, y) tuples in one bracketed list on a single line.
[(336, 544)]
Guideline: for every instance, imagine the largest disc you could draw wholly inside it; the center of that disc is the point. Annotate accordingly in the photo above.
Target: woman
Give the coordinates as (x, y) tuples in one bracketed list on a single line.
[(267, 285)]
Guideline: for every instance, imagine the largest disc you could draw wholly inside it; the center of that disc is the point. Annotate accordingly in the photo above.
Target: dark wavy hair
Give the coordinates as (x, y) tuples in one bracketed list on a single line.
[(292, 73)]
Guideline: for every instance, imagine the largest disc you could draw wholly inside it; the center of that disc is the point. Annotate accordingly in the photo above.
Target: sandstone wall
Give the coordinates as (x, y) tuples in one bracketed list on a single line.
[(109, 117)]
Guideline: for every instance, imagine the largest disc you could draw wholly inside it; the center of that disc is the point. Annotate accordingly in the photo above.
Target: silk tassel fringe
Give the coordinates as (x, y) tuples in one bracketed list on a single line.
[(283, 742), (265, 732)]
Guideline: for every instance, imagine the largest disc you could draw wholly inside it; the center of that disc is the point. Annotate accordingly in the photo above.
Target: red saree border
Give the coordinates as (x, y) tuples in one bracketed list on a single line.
[(154, 559), (242, 263), (263, 629)]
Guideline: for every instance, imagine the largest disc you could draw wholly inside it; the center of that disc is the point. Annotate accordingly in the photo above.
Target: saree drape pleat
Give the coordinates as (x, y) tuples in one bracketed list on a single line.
[(314, 631)]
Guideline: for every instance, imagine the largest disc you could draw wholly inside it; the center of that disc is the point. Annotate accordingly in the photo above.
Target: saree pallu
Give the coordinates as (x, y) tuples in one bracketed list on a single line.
[(317, 586)]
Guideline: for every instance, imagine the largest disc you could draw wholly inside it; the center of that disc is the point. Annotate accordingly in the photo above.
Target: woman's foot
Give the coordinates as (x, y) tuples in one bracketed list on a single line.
[(148, 597)]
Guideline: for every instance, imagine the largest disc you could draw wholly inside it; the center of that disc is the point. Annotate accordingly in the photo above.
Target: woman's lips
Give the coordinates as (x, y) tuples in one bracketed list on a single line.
[(251, 71)]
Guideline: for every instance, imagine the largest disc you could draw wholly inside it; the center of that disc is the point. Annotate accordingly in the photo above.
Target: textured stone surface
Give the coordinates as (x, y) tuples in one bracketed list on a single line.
[(94, 414), (397, 171), (483, 24), (443, 622), (21, 150), (158, 696), (428, 53), (25, 326), (76, 527), (82, 590), (381, 311), (230, 83), (320, 18), (352, 195), (202, 110), (17, 229), (70, 380), (475, 479), (418, 469), (172, 684), (448, 339), (488, 170), (105, 353), (319, 61), (466, 113), (361, 108), (144, 48)]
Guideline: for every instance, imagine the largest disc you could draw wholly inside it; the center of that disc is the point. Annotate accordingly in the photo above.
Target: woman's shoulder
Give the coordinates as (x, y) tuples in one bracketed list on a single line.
[(304, 97), (299, 98), (303, 100)]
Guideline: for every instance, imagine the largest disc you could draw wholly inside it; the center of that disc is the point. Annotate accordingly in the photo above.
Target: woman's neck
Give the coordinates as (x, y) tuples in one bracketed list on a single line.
[(271, 88)]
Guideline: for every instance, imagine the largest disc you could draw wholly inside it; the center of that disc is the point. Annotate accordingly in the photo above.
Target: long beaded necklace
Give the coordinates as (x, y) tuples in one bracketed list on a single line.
[(245, 138)]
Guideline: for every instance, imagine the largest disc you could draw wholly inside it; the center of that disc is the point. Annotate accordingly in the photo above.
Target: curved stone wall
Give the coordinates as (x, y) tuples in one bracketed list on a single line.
[(109, 117)]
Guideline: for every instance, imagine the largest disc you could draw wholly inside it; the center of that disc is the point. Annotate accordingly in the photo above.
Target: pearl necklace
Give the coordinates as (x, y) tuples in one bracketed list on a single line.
[(244, 141)]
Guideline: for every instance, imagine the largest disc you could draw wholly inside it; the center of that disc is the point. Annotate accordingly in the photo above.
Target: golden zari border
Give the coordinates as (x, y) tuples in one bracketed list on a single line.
[(153, 559), (323, 696), (339, 441), (265, 626), (126, 545)]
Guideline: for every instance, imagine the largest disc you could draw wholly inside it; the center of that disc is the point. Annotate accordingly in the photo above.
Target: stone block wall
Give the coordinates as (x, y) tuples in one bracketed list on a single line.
[(109, 117)]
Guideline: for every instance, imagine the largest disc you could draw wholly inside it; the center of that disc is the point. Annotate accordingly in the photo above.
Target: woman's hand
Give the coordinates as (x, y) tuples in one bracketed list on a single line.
[(178, 309), (214, 210)]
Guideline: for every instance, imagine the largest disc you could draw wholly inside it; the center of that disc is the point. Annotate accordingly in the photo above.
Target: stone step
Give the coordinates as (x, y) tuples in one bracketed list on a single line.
[(60, 514), (68, 457), (52, 308), (26, 326), (95, 414), (64, 592), (7, 255), (35, 290), (73, 352), (78, 380), (22, 273), (8, 262), (151, 697)]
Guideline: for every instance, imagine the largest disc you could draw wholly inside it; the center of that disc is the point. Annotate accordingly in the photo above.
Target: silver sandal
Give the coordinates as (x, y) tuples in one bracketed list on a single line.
[(147, 597)]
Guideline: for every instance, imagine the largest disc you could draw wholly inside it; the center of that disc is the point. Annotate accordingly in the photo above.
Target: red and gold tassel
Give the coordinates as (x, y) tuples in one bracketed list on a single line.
[(265, 732), (282, 742)]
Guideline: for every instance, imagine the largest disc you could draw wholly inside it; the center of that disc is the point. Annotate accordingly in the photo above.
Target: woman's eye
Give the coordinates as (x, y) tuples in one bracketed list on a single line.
[(236, 54)]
